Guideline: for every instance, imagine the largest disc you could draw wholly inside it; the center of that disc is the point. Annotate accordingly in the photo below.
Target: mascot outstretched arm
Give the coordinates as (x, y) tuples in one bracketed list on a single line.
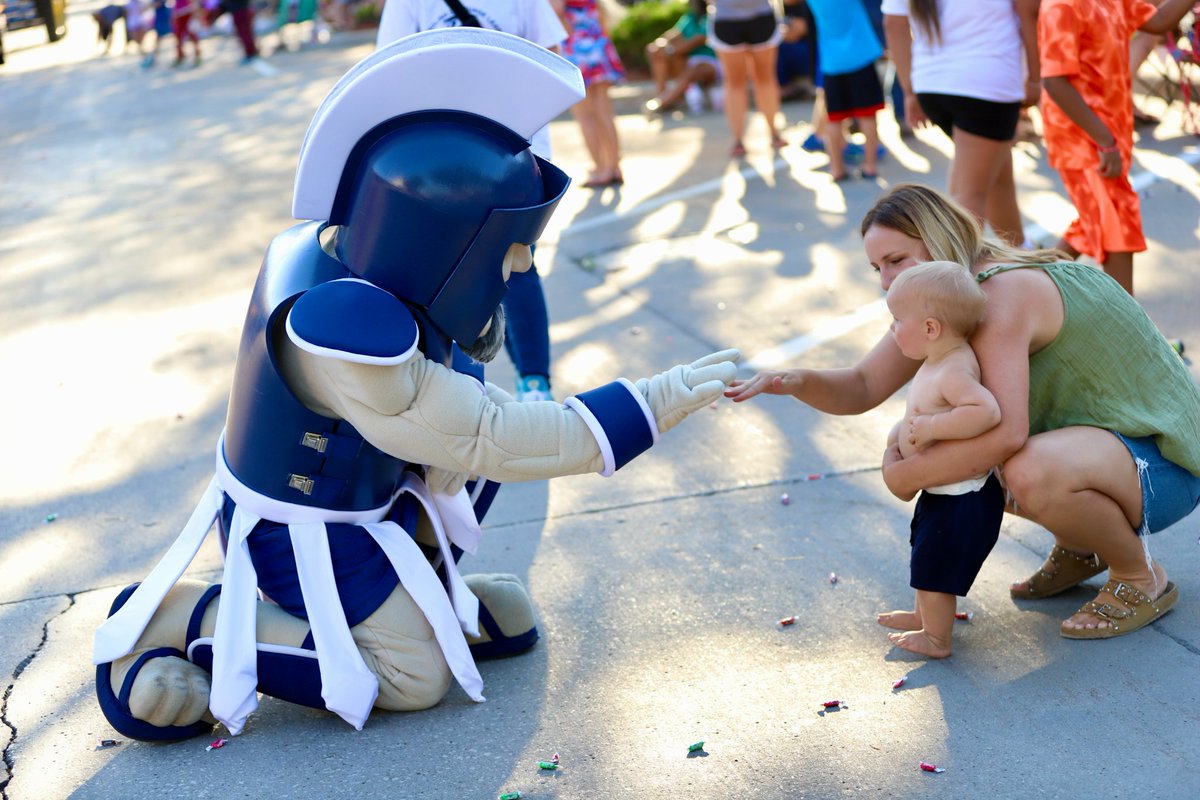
[(361, 447)]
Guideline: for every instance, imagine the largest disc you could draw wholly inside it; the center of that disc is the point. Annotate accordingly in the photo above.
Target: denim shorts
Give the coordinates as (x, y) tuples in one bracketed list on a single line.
[(1169, 492)]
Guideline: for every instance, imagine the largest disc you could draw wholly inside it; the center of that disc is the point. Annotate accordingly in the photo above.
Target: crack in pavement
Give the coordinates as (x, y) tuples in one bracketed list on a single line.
[(9, 763)]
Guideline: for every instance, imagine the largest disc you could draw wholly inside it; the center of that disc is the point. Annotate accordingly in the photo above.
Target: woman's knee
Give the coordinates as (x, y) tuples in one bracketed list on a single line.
[(1029, 480)]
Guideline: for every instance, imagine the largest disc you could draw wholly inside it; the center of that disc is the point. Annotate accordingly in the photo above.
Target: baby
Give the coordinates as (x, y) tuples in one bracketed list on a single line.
[(936, 307)]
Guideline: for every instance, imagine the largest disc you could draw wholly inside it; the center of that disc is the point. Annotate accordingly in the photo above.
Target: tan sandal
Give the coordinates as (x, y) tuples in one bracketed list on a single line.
[(1070, 569), (1139, 611)]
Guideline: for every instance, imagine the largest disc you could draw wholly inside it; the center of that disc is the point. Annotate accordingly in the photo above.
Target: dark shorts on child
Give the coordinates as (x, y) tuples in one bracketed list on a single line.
[(986, 118), (853, 94), (952, 534)]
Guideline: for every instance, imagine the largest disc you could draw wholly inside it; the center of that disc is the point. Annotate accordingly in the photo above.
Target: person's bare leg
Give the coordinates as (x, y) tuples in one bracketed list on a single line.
[(870, 131), (583, 114), (1120, 267), (977, 161), (936, 610), (737, 100), (835, 143), (700, 73), (1001, 209), (766, 88), (1082, 485), (606, 128)]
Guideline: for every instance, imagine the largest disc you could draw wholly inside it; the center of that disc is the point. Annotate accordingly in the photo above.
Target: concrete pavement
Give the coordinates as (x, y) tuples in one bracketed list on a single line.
[(136, 208)]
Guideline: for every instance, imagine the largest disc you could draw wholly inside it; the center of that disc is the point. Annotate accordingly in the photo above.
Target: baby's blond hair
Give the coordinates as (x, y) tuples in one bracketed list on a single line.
[(947, 291)]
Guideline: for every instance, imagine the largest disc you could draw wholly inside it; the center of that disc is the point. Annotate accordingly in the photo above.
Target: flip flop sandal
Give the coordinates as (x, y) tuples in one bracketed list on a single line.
[(737, 151), (1139, 612), (1070, 569)]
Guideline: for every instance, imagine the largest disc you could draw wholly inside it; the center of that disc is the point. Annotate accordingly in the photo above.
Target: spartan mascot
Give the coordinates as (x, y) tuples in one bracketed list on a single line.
[(361, 446)]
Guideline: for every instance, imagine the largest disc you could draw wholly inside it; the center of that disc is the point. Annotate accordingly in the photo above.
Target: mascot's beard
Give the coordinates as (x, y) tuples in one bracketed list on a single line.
[(488, 345)]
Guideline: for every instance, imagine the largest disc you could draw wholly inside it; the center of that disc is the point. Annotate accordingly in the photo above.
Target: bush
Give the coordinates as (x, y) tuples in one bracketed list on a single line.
[(366, 14), (642, 24)]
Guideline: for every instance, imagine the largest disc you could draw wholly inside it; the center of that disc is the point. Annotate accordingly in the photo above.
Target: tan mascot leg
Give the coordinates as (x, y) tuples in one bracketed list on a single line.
[(171, 693)]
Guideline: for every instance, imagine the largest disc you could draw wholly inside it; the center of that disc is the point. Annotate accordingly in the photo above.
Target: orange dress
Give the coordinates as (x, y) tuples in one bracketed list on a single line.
[(1087, 41)]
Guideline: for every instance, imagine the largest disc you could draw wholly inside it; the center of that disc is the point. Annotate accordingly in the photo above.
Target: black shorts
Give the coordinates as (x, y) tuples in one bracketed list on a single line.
[(745, 34), (952, 534), (986, 118), (853, 94)]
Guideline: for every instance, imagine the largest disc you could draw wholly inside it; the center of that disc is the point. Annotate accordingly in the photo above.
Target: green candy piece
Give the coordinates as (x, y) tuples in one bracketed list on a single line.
[(547, 765), (510, 796), (697, 746)]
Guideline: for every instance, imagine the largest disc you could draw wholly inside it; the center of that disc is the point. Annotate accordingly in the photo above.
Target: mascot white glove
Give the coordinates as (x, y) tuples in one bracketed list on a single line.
[(685, 388)]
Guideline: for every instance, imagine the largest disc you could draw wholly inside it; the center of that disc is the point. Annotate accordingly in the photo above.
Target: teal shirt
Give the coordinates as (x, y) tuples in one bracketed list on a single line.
[(690, 25), (1110, 367)]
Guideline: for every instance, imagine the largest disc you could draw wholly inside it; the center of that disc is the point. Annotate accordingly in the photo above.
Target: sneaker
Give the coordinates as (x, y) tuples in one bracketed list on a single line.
[(854, 153), (813, 144), (533, 388), (694, 96)]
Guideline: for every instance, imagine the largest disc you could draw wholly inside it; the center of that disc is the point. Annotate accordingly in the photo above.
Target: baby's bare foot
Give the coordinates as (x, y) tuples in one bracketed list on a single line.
[(900, 620), (921, 643)]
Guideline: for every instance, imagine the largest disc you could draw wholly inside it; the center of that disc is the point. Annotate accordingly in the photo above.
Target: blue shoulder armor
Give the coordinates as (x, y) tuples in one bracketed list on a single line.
[(352, 320)]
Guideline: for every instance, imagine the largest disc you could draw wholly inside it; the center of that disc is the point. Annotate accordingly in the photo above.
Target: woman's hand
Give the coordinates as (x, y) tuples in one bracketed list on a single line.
[(914, 115), (766, 382)]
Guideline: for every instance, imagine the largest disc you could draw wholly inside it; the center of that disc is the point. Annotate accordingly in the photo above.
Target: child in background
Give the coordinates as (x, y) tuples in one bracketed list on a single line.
[(181, 25), (162, 29), (847, 49), (936, 307), (1087, 119), (136, 25)]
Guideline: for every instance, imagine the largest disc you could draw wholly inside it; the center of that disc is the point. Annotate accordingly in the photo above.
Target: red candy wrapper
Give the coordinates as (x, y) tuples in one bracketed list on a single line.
[(964, 615), (903, 679), (217, 744), (787, 621), (925, 765), (833, 704), (554, 758)]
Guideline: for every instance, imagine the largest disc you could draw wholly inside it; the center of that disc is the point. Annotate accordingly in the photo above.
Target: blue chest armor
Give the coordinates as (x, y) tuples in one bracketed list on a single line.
[(273, 444)]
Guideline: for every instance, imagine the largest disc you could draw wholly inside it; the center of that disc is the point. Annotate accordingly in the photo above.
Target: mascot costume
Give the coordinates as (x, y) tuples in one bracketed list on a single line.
[(361, 446)]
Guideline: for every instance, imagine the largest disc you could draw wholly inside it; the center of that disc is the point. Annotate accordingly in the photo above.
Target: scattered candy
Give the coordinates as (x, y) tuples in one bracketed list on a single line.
[(787, 621), (925, 765), (966, 615), (510, 796), (547, 765), (903, 679), (554, 758), (696, 746), (834, 704), (783, 498), (636, 330), (51, 517), (833, 578), (217, 744), (105, 743)]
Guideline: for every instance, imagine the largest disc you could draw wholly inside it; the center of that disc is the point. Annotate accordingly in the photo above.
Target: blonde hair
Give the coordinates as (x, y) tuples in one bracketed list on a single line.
[(946, 291), (948, 231)]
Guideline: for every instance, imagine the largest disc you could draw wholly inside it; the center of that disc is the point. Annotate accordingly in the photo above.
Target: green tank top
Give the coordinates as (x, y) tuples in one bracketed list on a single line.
[(1109, 367)]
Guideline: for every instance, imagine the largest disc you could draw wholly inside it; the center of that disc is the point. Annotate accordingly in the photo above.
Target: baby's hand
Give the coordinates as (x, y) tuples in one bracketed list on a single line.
[(765, 382), (920, 431)]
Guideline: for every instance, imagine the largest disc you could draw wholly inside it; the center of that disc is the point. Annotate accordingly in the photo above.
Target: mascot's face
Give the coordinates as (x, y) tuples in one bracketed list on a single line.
[(519, 258)]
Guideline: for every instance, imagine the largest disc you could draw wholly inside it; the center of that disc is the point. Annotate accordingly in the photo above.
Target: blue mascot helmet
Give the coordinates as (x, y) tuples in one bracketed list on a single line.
[(428, 206)]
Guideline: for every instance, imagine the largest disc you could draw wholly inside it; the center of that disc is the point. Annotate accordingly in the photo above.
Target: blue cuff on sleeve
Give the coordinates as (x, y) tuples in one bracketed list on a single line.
[(620, 419)]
